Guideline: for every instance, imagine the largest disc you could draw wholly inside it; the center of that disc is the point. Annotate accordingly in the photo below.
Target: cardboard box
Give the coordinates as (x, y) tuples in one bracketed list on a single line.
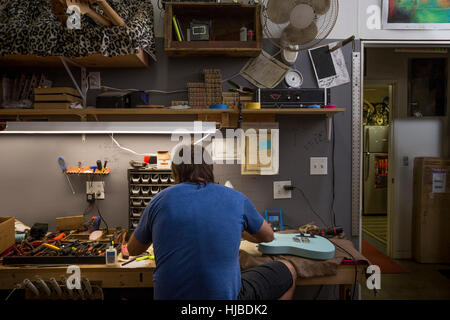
[(431, 210), (7, 233), (69, 223), (163, 160)]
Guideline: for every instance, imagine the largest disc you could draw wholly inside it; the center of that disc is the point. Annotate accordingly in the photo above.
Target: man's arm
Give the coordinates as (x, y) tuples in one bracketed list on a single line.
[(264, 234), (134, 247)]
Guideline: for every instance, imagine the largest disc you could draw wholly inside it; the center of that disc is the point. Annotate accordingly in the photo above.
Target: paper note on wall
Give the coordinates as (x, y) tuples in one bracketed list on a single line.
[(439, 183), (329, 67)]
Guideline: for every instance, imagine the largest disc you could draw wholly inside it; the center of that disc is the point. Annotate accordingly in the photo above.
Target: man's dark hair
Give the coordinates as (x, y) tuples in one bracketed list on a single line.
[(195, 168)]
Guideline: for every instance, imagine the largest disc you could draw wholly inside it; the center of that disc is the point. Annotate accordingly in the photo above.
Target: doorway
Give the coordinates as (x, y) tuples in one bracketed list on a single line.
[(389, 113), (378, 104)]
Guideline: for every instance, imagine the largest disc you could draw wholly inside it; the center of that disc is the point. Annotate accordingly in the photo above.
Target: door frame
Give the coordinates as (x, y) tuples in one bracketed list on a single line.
[(357, 130)]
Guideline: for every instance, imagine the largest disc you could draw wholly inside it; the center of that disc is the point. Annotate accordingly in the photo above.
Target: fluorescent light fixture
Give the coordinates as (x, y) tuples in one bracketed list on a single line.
[(192, 127)]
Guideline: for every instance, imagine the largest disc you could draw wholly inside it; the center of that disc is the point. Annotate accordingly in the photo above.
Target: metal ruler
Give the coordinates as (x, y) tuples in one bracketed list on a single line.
[(356, 143)]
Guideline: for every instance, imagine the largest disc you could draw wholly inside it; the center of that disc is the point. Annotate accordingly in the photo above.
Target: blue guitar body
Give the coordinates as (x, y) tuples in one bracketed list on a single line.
[(302, 245)]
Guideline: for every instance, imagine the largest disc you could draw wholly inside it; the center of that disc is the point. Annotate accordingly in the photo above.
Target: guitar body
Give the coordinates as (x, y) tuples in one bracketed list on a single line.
[(302, 245)]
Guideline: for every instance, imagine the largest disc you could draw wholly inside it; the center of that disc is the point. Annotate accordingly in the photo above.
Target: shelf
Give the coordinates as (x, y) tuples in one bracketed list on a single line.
[(302, 111), (91, 111), (139, 60), (226, 22), (228, 118)]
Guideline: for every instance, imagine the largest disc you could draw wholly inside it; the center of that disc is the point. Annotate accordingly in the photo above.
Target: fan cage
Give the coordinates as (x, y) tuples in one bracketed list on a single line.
[(325, 23)]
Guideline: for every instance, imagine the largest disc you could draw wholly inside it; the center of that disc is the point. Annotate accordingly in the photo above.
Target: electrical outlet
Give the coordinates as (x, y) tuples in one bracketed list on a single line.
[(319, 166), (97, 188), (94, 80), (279, 192)]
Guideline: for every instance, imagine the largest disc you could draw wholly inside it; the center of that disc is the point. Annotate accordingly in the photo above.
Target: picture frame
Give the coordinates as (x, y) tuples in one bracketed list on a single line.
[(415, 14)]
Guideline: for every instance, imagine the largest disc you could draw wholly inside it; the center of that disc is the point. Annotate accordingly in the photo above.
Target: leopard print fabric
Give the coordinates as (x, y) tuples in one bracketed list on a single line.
[(31, 27)]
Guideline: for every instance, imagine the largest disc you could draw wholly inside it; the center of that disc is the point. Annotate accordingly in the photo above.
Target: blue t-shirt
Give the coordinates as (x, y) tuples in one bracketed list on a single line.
[(196, 233)]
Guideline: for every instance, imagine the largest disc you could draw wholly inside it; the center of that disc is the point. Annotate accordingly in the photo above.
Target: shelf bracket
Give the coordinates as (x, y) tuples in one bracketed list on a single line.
[(84, 84), (329, 120)]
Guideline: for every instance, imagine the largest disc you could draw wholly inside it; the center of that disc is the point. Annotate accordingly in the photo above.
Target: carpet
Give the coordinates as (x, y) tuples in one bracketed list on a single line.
[(376, 257)]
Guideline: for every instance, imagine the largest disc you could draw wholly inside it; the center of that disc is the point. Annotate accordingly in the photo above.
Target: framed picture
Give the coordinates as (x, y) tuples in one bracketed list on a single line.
[(416, 14)]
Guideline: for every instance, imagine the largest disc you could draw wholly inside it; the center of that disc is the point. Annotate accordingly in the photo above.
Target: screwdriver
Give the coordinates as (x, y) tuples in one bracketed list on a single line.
[(62, 165)]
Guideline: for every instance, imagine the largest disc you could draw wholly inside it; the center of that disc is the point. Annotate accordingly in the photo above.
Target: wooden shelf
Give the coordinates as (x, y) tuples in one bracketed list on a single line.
[(139, 60), (226, 21), (111, 111), (228, 118), (303, 111)]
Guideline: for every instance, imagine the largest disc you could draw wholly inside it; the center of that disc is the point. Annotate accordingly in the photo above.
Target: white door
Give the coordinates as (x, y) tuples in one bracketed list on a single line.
[(411, 138)]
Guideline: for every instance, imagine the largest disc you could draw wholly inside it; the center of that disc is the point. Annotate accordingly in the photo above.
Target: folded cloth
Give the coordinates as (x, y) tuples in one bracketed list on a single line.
[(31, 27), (249, 257)]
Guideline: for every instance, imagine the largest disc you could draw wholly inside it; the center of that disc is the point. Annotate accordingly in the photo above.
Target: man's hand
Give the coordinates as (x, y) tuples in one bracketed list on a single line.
[(264, 234), (134, 247)]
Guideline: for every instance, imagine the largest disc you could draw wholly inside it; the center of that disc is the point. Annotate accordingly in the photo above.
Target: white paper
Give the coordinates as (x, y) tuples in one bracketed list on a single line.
[(138, 264), (264, 71), (439, 183), (341, 76)]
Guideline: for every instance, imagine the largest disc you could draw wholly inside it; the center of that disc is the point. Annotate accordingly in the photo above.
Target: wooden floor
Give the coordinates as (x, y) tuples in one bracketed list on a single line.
[(376, 227)]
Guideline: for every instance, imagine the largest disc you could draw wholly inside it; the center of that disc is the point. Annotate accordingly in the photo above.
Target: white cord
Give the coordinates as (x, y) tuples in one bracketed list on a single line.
[(148, 154), (129, 150), (12, 291), (200, 140)]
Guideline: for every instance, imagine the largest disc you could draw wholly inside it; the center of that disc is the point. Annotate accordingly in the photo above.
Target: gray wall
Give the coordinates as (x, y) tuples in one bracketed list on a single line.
[(40, 193), (300, 139)]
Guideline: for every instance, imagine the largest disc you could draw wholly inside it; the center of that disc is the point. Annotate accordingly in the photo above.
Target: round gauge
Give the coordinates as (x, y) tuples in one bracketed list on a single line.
[(293, 79)]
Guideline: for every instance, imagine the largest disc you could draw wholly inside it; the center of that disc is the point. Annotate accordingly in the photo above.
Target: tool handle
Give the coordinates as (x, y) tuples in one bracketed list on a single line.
[(62, 164), (112, 15), (98, 17)]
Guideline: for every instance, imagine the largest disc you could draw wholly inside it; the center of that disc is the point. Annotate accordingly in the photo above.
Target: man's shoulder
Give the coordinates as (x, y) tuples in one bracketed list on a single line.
[(175, 189), (228, 191)]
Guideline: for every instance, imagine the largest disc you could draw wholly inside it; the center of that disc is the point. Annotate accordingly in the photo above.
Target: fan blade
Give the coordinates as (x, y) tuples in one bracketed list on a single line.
[(278, 11), (296, 36), (321, 6), (302, 16)]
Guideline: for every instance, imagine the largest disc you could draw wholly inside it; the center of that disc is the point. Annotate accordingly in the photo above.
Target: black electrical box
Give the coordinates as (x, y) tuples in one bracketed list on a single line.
[(121, 99)]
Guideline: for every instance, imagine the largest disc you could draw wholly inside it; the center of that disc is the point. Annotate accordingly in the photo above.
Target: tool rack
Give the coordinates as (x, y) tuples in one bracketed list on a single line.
[(143, 185)]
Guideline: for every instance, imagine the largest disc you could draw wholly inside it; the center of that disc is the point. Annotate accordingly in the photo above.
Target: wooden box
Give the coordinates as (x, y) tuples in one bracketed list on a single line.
[(431, 210), (7, 233), (226, 21), (55, 98), (69, 223)]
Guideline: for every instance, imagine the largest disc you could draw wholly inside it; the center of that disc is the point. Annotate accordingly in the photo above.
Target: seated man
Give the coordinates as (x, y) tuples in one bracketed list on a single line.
[(196, 228)]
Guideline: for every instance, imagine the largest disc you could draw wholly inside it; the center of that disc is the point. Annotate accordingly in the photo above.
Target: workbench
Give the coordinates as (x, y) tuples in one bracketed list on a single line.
[(117, 277)]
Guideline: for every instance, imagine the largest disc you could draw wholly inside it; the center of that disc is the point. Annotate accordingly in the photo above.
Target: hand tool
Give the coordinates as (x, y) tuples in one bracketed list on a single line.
[(51, 246), (99, 166), (63, 167), (110, 13), (342, 43), (240, 89), (145, 258), (61, 236)]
